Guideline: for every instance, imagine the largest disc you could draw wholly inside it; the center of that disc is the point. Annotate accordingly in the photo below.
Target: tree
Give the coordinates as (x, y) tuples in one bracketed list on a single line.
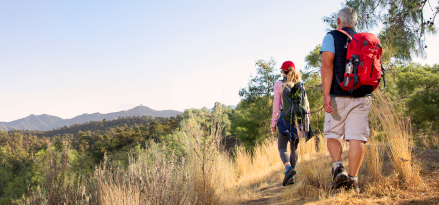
[(313, 84), (263, 83), (199, 117), (252, 118), (220, 113), (250, 121), (418, 87), (314, 60), (404, 24)]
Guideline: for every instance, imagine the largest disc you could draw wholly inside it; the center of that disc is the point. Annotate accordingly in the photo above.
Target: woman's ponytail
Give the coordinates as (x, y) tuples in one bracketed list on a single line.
[(293, 77)]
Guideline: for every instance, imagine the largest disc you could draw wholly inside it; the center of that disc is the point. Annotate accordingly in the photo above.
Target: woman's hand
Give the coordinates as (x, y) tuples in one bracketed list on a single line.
[(273, 129)]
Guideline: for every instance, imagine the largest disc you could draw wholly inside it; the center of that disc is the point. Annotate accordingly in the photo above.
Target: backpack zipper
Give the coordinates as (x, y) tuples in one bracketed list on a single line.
[(373, 63)]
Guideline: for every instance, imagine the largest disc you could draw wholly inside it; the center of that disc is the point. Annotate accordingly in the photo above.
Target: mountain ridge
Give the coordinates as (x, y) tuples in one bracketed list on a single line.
[(48, 122)]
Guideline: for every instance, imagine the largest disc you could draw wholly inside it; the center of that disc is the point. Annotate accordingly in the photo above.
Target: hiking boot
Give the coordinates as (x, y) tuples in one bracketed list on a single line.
[(352, 185), (340, 177), (292, 180), (288, 175)]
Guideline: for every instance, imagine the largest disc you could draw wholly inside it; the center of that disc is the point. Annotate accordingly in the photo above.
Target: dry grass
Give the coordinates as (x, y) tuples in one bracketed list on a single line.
[(207, 175), (154, 178), (381, 181), (151, 178), (313, 161), (397, 133), (263, 159), (373, 160), (255, 173)]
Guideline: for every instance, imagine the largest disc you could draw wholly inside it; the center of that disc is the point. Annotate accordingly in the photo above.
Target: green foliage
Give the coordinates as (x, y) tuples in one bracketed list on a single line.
[(16, 185), (88, 143), (200, 116), (204, 117), (263, 83), (418, 87), (252, 118), (314, 90), (413, 90), (314, 60), (15, 164), (252, 121), (104, 127), (223, 113), (331, 21)]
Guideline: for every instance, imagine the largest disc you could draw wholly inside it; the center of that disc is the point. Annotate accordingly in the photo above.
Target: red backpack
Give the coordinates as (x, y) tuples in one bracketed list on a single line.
[(364, 61)]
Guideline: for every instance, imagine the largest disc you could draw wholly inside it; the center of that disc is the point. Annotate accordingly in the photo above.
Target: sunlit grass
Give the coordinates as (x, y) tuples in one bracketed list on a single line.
[(209, 175)]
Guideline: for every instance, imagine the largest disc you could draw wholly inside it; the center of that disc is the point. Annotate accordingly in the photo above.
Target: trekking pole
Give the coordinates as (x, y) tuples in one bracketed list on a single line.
[(316, 111), (271, 135)]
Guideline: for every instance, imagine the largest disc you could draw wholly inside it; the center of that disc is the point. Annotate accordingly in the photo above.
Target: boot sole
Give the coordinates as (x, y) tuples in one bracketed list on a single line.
[(339, 181), (285, 181), (291, 181)]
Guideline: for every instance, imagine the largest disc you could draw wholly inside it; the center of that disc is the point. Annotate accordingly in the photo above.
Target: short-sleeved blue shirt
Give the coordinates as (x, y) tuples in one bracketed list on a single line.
[(328, 44)]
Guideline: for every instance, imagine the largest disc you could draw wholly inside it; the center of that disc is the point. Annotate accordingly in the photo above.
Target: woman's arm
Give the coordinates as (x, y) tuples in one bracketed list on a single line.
[(276, 102)]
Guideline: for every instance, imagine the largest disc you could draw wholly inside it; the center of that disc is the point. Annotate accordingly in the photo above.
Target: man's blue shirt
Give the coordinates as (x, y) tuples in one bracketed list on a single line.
[(328, 44)]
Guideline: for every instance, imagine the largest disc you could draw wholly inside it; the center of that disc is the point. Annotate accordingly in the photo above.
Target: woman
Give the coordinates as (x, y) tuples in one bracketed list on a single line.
[(287, 132)]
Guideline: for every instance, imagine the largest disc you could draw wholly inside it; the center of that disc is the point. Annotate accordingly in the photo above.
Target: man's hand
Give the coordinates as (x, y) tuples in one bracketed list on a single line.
[(273, 129), (327, 73), (327, 104)]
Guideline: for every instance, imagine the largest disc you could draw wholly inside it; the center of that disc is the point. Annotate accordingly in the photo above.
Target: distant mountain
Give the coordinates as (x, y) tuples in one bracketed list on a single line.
[(48, 122)]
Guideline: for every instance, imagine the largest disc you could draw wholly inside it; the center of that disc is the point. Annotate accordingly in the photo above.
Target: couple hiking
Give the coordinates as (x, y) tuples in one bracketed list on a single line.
[(350, 71)]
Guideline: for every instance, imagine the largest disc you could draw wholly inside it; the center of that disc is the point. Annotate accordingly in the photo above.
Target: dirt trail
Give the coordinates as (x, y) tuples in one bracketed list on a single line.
[(272, 192)]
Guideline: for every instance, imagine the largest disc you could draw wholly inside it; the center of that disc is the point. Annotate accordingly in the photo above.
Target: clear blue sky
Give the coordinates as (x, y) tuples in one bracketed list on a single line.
[(66, 58)]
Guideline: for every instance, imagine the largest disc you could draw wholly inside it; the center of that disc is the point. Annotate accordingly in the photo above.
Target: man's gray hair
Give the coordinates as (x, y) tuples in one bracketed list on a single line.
[(348, 17)]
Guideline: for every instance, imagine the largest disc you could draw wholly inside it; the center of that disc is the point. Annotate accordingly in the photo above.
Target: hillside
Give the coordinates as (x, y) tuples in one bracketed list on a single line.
[(103, 126), (49, 122)]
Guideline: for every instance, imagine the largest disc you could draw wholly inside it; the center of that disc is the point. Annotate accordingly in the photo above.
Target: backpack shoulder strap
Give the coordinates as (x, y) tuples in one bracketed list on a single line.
[(303, 94), (285, 92), (299, 86), (345, 33)]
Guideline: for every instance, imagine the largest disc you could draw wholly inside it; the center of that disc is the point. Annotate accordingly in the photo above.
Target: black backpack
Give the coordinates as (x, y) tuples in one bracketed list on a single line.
[(295, 103)]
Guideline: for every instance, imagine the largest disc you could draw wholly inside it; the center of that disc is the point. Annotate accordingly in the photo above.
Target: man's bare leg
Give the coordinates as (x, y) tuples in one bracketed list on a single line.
[(356, 156), (335, 149), (340, 176)]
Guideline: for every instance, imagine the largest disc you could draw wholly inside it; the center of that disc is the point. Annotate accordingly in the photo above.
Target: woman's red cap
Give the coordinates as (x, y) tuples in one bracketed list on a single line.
[(287, 64)]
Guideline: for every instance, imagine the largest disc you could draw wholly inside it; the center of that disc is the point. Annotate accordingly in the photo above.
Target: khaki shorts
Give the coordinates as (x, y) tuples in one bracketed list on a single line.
[(350, 118)]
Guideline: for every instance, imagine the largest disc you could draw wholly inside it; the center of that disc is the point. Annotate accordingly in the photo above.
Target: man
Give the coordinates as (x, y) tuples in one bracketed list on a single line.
[(346, 113)]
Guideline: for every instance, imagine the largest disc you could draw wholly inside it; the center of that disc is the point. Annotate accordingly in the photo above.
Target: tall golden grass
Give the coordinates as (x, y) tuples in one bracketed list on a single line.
[(373, 159), (395, 127), (208, 175), (151, 178), (314, 164), (201, 177)]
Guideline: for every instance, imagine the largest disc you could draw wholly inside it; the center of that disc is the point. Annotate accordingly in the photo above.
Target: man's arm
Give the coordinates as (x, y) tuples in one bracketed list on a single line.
[(327, 72)]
